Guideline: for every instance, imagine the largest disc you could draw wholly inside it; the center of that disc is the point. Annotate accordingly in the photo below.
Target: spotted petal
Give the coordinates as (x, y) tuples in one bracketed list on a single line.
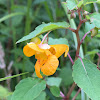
[(38, 66)]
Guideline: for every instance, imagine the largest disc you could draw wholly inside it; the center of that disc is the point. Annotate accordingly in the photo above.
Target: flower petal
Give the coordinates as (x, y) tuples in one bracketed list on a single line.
[(66, 52), (28, 51), (48, 53), (50, 65), (37, 68), (60, 49), (52, 50), (35, 47), (41, 56)]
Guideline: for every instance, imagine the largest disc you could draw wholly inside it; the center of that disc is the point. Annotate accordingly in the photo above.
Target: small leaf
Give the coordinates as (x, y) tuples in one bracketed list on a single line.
[(71, 4), (55, 91), (93, 51), (10, 15), (89, 1), (80, 4), (57, 41), (94, 32), (88, 79), (98, 36), (44, 28), (28, 89), (54, 81), (95, 19)]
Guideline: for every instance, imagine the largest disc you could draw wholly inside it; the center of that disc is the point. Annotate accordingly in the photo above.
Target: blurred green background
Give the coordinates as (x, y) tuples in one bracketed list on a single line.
[(20, 17)]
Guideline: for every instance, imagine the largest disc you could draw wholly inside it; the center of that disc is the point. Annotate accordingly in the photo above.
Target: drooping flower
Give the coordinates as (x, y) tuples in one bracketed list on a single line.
[(46, 55)]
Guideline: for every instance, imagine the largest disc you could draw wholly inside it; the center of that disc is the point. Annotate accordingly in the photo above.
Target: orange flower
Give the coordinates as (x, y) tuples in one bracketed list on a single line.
[(46, 55)]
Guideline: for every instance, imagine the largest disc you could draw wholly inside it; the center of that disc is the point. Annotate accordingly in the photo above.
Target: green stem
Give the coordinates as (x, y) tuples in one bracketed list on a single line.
[(14, 41), (48, 11), (28, 20)]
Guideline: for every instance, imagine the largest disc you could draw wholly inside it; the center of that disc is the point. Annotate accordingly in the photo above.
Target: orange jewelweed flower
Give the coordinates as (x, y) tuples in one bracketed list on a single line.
[(46, 55)]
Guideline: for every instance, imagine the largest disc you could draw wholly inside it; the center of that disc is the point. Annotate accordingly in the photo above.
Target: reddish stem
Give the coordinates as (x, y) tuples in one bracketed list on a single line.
[(78, 47), (76, 94), (70, 91), (62, 95), (85, 36), (71, 59), (44, 37), (73, 30), (82, 64)]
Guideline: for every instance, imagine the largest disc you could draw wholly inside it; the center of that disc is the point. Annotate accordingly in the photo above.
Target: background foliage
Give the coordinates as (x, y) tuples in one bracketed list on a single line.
[(18, 18)]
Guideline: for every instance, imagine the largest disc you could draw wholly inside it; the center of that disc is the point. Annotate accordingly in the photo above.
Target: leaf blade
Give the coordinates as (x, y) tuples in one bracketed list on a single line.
[(28, 89), (95, 19), (44, 28), (87, 80), (10, 15)]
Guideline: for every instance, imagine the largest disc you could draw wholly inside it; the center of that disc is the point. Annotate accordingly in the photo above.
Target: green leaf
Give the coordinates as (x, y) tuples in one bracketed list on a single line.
[(80, 4), (55, 91), (87, 78), (88, 27), (2, 79), (44, 28), (71, 4), (95, 19), (53, 81), (9, 97), (16, 20), (3, 93), (42, 96), (66, 75), (94, 51), (57, 41), (2, 2), (98, 36), (28, 89), (10, 15), (89, 1), (38, 1)]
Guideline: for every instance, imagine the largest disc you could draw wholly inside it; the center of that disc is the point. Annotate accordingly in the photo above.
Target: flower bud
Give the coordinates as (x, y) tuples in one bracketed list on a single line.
[(69, 12), (94, 32), (73, 15), (85, 13), (36, 40)]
